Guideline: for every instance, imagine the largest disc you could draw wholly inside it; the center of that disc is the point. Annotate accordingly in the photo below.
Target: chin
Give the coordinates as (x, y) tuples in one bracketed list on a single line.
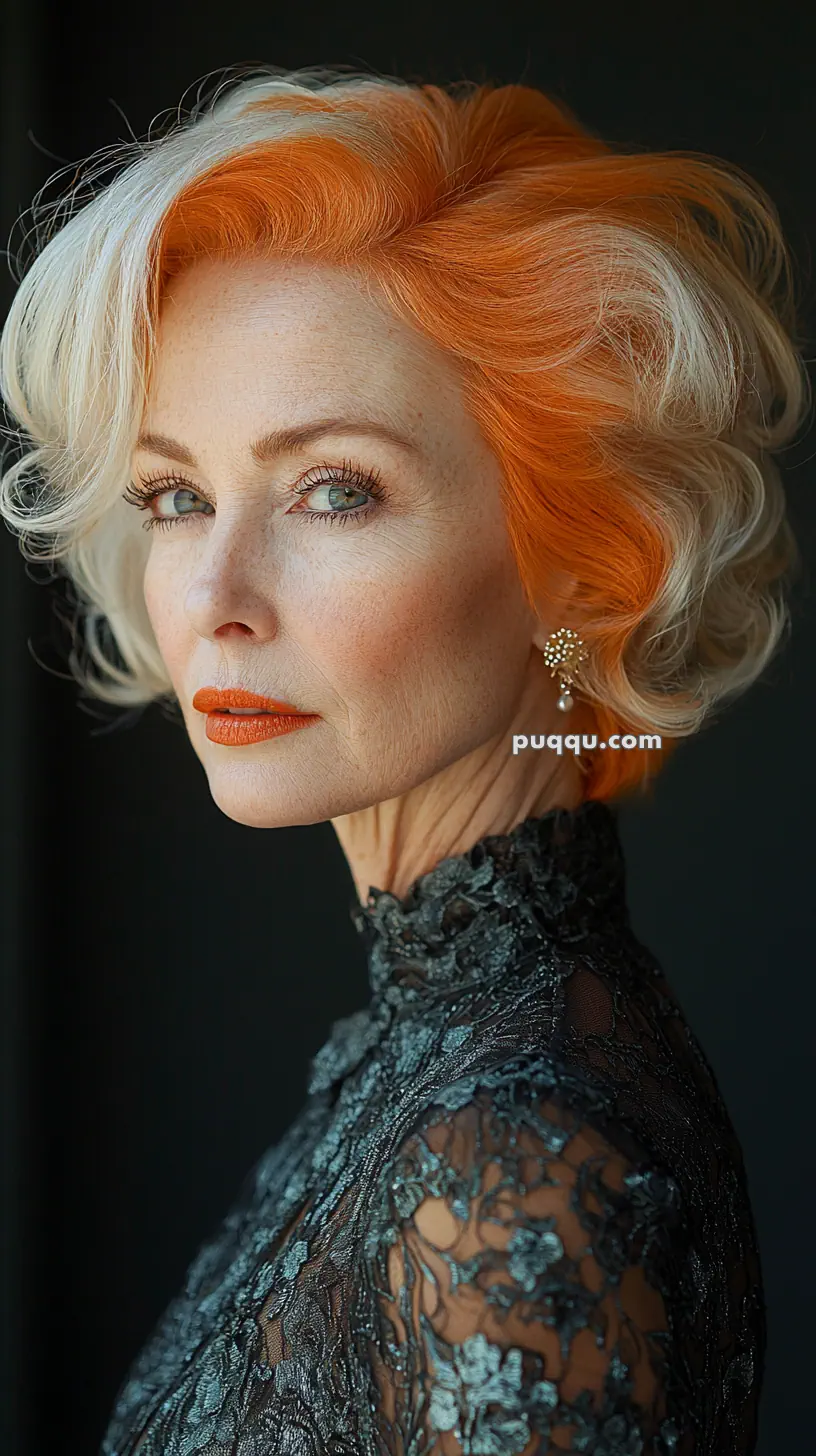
[(248, 798), (251, 794)]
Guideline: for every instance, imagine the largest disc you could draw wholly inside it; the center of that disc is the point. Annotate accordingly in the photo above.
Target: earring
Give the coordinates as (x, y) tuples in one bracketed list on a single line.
[(562, 652)]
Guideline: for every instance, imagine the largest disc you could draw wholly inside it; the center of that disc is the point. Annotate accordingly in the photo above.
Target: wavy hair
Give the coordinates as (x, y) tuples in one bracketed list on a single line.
[(624, 322)]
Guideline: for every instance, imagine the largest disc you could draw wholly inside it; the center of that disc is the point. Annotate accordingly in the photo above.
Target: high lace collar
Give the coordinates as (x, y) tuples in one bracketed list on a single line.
[(559, 875), (476, 918)]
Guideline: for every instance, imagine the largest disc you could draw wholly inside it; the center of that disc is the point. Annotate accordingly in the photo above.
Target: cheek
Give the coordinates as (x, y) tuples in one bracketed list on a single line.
[(162, 602), (448, 620)]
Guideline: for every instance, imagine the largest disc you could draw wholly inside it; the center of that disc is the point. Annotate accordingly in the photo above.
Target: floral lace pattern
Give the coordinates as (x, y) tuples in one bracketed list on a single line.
[(511, 1216)]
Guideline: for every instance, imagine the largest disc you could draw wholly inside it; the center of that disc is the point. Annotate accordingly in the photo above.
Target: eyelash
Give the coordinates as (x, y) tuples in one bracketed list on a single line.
[(159, 483)]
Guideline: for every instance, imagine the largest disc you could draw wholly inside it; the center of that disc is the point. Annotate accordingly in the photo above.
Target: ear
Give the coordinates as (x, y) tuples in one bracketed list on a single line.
[(556, 613)]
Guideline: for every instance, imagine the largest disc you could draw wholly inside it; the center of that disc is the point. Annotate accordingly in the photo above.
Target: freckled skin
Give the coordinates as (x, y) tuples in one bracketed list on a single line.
[(405, 629)]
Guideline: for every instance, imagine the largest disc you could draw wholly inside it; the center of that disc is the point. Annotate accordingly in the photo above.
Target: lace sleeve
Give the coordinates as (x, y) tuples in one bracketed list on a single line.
[(521, 1308)]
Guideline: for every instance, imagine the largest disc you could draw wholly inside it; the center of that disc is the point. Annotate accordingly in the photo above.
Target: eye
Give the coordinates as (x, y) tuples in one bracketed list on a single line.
[(347, 494), (336, 497), (176, 488)]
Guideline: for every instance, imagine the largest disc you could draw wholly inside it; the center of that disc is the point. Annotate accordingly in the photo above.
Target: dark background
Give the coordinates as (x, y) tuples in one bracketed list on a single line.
[(166, 973)]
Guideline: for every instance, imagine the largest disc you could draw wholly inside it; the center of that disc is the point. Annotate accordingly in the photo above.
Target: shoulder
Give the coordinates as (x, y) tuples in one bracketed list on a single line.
[(535, 1138)]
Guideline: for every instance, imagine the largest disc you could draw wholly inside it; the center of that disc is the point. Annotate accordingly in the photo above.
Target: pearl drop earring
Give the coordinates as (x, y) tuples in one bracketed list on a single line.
[(562, 652)]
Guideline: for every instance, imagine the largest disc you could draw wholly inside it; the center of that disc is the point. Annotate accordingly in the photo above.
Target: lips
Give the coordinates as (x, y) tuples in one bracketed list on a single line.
[(220, 700)]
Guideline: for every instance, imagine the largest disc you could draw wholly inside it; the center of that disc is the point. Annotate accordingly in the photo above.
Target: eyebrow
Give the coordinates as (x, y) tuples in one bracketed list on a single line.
[(283, 441)]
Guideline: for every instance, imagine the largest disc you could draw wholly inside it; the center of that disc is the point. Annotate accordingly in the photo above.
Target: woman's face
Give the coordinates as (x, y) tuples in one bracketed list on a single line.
[(400, 619)]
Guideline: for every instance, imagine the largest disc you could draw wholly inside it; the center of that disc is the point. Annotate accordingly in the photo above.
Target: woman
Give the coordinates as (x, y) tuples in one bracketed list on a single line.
[(451, 428)]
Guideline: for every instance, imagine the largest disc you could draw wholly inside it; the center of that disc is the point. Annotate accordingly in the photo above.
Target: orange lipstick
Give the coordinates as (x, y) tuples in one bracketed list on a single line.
[(272, 717)]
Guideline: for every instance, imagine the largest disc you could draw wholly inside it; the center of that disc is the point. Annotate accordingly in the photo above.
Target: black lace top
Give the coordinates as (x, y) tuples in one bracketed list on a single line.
[(511, 1216)]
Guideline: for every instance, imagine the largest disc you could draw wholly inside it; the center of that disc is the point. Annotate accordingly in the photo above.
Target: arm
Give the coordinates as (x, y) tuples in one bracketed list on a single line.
[(518, 1315)]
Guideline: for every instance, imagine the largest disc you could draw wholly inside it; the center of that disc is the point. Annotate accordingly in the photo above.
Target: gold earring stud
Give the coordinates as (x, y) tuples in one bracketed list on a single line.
[(563, 651)]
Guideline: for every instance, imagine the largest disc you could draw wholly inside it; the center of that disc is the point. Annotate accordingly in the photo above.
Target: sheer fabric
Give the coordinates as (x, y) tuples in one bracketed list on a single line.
[(511, 1216)]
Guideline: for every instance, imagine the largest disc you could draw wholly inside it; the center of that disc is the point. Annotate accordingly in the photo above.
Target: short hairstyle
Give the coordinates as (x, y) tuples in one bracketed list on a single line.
[(624, 322)]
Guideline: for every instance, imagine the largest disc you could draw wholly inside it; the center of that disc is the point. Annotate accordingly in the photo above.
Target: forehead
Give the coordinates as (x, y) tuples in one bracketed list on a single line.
[(294, 339), (279, 305)]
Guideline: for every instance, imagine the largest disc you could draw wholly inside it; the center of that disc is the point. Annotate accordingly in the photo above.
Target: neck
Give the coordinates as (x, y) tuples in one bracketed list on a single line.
[(489, 791)]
